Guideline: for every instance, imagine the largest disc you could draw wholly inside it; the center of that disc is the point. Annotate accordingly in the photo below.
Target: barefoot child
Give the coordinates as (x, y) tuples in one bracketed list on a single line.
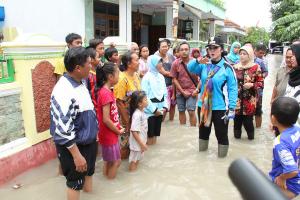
[(108, 118), (139, 128), (286, 150)]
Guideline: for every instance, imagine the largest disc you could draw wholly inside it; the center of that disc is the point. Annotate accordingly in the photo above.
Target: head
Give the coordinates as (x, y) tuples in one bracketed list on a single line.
[(246, 55), (184, 50), (284, 112), (176, 51), (77, 62), (163, 47), (108, 73), (260, 51), (144, 51), (130, 61), (235, 48), (98, 45), (73, 40), (196, 53), (155, 63), (95, 59), (296, 55), (215, 48), (134, 48), (288, 58), (249, 44), (111, 54), (138, 100)]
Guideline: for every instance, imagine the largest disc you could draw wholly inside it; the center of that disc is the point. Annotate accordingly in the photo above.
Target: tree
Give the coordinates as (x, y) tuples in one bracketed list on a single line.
[(284, 14), (256, 35)]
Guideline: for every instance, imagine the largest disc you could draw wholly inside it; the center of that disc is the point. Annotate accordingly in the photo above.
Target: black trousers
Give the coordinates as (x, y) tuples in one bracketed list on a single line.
[(247, 121), (221, 128)]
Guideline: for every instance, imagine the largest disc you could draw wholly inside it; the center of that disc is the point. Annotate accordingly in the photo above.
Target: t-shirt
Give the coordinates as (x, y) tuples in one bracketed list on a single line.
[(140, 124), (107, 136), (293, 92), (126, 86), (282, 78), (178, 71), (286, 155), (60, 67)]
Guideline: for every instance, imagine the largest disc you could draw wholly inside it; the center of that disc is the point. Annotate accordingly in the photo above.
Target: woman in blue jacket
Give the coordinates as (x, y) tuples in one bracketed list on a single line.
[(217, 98)]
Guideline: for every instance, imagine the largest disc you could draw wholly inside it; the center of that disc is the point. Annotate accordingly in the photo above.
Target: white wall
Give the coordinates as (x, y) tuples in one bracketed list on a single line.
[(56, 18)]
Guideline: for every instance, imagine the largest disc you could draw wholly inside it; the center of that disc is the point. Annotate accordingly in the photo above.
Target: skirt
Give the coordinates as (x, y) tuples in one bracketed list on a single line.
[(111, 153)]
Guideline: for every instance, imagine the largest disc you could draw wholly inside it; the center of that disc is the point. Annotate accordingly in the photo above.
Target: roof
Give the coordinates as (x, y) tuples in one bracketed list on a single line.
[(230, 24)]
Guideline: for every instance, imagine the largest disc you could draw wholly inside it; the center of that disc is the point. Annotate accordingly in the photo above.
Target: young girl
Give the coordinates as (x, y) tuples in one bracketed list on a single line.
[(154, 85), (144, 54), (108, 118), (139, 128)]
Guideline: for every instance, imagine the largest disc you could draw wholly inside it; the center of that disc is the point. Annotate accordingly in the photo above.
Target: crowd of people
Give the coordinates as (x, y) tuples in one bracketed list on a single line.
[(121, 101)]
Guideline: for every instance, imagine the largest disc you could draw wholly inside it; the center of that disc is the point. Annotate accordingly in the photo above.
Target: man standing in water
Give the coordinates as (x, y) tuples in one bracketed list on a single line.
[(186, 85)]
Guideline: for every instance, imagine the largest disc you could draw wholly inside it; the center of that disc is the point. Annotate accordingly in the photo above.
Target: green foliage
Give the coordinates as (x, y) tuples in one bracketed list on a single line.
[(219, 3), (286, 17), (256, 35)]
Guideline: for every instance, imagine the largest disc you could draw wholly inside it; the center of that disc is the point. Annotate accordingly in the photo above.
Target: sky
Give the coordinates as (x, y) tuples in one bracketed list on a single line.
[(249, 12)]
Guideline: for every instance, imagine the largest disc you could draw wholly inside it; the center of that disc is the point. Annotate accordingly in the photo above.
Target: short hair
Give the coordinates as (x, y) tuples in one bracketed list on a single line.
[(109, 52), (261, 47), (93, 43), (130, 45), (126, 59), (183, 43), (162, 41), (71, 37), (75, 56), (285, 110), (91, 52)]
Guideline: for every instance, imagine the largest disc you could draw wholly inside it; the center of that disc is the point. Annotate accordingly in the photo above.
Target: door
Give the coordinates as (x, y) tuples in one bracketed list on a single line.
[(155, 32)]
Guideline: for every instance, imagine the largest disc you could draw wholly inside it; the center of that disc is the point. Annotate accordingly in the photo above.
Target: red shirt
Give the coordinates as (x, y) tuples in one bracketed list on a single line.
[(91, 85), (107, 136)]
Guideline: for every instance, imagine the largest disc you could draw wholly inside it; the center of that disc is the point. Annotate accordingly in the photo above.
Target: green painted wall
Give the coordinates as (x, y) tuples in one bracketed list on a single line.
[(89, 20), (159, 19)]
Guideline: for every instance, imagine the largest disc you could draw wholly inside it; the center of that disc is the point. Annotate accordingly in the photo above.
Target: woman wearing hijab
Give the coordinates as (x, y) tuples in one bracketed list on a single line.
[(250, 80), (155, 88), (293, 87), (233, 57)]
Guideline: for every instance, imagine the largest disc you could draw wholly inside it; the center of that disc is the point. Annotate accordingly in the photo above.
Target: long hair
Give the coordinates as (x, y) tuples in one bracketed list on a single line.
[(136, 98), (102, 73)]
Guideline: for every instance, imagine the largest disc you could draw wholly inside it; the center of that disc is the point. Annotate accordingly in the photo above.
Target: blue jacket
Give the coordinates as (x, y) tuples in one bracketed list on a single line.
[(225, 90)]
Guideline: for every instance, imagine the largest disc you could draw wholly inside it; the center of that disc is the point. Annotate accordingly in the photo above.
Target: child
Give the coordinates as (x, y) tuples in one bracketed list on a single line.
[(144, 54), (91, 80), (111, 55), (154, 85), (139, 128), (98, 45), (108, 118), (74, 124), (286, 150)]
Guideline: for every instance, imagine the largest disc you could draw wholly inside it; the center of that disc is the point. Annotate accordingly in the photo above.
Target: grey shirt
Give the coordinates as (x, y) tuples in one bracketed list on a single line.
[(282, 78)]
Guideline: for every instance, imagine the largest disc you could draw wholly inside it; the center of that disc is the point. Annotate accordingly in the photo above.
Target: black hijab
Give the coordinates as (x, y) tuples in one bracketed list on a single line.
[(294, 79)]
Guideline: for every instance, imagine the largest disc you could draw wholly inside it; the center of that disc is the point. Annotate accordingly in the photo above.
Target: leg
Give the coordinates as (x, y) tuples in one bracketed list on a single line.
[(60, 172), (221, 131), (105, 169), (181, 105), (258, 114), (157, 128), (112, 169), (172, 112), (151, 130), (133, 166), (238, 121), (258, 121), (73, 194), (88, 184), (248, 124), (150, 141), (191, 107), (204, 133)]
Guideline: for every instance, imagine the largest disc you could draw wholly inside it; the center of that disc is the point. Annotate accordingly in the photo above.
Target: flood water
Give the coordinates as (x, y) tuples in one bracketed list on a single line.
[(173, 169)]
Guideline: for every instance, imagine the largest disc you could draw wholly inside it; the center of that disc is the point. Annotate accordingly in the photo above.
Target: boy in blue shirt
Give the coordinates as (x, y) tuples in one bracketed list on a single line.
[(286, 150)]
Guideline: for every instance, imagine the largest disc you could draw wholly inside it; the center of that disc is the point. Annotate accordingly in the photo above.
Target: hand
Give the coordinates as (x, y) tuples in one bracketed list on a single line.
[(121, 131), (280, 182), (195, 93), (80, 163), (185, 94), (231, 114), (144, 147), (158, 113), (164, 111), (203, 60), (248, 85), (173, 97)]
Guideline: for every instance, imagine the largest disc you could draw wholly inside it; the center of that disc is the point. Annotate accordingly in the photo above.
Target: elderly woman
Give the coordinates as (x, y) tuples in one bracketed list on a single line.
[(129, 82), (250, 80)]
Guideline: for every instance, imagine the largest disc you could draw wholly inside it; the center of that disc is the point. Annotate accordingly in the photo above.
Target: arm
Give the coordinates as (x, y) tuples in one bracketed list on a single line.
[(107, 121), (164, 72), (259, 80), (195, 67), (177, 85), (123, 111), (232, 88), (274, 94)]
